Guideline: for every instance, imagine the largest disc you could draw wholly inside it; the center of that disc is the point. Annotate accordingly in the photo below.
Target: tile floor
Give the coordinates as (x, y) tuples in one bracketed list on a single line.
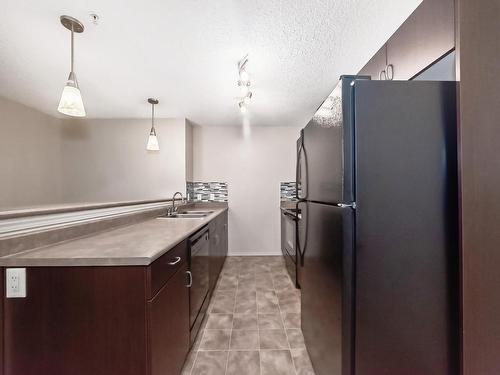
[(253, 323)]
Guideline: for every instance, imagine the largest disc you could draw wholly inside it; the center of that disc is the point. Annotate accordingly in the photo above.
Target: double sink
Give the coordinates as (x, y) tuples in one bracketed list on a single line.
[(187, 214)]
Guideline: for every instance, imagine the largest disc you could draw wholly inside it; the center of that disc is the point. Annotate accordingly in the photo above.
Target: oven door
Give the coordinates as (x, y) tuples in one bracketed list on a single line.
[(288, 242)]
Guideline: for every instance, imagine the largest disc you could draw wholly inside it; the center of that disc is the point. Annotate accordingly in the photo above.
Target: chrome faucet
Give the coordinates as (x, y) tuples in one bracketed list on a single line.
[(174, 210)]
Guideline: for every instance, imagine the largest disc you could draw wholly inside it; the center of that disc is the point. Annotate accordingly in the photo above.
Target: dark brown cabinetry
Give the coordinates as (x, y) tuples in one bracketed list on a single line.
[(168, 316), (127, 320), (426, 36), (218, 246), (100, 320), (375, 68)]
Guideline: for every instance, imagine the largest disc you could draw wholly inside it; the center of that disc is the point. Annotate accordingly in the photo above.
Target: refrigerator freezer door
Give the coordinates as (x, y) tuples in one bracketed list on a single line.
[(328, 149), (406, 228), (325, 237)]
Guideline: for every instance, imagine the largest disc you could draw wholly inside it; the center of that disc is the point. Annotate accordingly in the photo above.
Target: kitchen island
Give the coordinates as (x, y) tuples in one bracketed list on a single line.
[(115, 302)]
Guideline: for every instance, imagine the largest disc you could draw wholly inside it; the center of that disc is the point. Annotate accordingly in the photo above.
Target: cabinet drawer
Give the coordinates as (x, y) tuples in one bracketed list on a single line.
[(164, 267)]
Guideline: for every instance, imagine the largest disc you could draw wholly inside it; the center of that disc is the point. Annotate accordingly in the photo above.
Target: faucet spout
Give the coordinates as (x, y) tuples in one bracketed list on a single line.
[(174, 210)]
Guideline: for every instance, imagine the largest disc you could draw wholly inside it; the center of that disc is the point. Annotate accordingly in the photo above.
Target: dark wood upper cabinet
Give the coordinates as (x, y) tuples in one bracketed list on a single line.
[(168, 314), (426, 36), (376, 65)]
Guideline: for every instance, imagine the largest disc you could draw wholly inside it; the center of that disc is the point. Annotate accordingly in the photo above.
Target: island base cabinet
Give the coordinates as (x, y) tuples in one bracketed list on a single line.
[(78, 321), (99, 320), (169, 326)]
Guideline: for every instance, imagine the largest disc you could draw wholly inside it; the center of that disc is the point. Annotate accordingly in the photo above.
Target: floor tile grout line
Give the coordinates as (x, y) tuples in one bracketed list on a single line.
[(286, 333), (231, 332), (258, 322), (272, 271)]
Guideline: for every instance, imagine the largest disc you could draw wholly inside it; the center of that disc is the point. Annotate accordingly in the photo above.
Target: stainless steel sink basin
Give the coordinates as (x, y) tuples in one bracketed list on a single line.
[(184, 216), (195, 212)]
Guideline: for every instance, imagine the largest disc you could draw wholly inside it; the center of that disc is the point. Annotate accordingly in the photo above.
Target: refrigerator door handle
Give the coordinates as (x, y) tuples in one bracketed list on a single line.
[(299, 172), (351, 205)]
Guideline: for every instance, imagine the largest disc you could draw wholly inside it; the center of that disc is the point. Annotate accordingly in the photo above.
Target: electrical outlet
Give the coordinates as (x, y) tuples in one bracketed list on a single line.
[(199, 197), (15, 282), (212, 196)]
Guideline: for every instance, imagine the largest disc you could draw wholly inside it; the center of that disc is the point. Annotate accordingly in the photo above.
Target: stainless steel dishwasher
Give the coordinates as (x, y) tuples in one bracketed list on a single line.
[(199, 246)]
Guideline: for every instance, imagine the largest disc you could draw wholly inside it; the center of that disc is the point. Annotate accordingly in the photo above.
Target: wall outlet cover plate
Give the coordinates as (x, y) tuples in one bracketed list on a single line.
[(15, 282)]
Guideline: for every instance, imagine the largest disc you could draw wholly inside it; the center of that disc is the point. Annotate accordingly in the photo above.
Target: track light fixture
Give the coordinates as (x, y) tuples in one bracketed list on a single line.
[(247, 98), (243, 107), (244, 85)]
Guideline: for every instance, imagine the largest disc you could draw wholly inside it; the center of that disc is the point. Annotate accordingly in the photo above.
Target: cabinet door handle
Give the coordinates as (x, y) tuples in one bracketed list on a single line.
[(389, 72), (177, 260), (190, 279)]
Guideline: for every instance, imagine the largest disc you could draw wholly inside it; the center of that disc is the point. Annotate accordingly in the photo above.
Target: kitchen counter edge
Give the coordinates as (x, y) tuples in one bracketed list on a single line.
[(23, 259)]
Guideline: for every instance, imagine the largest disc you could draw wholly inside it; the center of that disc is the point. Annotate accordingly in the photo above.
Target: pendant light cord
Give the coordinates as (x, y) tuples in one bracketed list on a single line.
[(72, 49), (153, 130)]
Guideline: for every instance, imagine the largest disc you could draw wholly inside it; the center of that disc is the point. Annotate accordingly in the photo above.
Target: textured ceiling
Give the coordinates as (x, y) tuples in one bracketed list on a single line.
[(185, 52)]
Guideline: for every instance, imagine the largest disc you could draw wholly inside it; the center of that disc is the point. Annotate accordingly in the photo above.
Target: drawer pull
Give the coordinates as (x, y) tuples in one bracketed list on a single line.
[(177, 260), (190, 279)]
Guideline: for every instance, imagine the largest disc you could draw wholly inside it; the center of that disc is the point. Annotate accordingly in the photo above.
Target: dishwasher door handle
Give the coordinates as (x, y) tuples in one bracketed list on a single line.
[(177, 260), (190, 279)]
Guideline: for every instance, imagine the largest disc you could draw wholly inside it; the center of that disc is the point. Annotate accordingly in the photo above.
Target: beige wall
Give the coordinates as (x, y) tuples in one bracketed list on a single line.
[(30, 156), (107, 160), (45, 160), (253, 164)]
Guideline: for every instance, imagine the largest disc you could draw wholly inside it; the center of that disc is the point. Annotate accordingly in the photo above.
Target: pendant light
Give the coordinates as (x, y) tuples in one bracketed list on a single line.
[(153, 144), (71, 102)]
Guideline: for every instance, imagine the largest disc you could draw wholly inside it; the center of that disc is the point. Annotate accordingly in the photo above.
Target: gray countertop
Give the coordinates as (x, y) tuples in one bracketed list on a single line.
[(134, 245)]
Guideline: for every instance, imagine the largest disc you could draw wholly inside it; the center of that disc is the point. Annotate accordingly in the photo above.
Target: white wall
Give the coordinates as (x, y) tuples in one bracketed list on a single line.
[(30, 156), (107, 160), (253, 163)]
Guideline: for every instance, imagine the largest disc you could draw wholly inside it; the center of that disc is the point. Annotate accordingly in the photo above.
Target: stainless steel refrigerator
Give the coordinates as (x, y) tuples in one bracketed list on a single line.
[(378, 233)]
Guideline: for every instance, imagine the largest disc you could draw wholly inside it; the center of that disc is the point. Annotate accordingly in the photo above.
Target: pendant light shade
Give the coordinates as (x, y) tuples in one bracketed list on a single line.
[(71, 102), (153, 144)]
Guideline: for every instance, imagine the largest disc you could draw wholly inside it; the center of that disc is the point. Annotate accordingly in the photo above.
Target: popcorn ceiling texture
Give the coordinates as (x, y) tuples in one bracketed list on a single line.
[(297, 50)]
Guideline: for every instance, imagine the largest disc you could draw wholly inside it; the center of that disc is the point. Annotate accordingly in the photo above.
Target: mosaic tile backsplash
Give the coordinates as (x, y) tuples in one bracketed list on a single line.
[(207, 191), (288, 191)]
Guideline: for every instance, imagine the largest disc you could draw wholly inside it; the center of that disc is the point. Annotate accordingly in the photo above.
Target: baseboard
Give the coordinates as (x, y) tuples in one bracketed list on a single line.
[(252, 253)]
